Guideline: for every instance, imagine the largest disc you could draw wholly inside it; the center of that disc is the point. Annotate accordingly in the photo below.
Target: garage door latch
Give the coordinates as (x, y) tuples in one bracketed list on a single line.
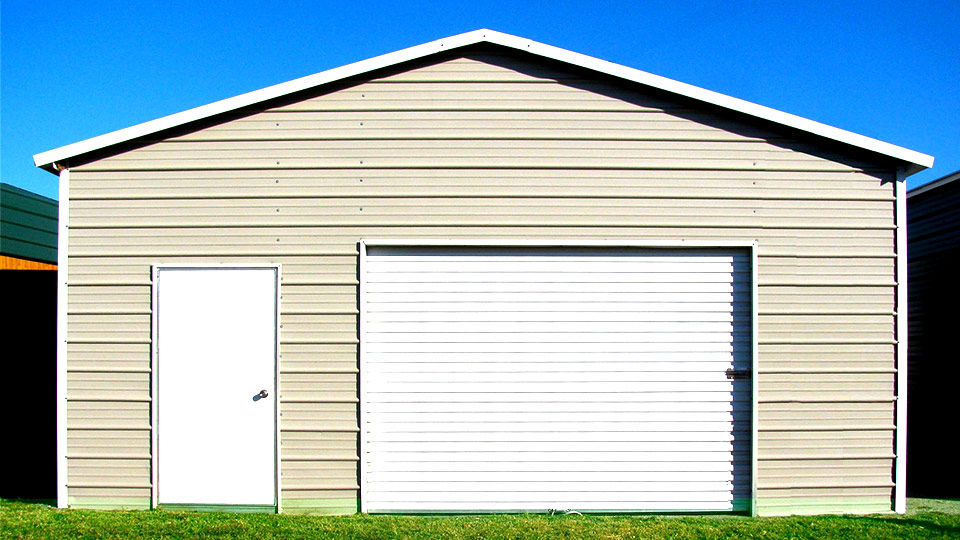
[(738, 373)]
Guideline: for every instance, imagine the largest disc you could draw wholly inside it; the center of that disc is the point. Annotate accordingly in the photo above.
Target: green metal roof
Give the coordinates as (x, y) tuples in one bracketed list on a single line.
[(28, 225)]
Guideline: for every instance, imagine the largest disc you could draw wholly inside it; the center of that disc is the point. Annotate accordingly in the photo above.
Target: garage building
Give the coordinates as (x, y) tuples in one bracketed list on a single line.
[(483, 274)]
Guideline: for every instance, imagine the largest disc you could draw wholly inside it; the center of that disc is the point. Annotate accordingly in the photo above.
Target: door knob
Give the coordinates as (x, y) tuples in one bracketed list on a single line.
[(262, 394)]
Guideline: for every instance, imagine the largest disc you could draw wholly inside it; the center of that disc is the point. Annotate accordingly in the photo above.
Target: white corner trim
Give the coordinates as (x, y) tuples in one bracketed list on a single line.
[(902, 330), (915, 161), (63, 219)]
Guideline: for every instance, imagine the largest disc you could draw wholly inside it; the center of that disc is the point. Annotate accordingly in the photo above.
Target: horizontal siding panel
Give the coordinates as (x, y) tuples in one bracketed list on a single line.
[(108, 444), (787, 468), (90, 495), (828, 452), (854, 492), (793, 420), (109, 356), (653, 126), (429, 183), (129, 470), (195, 211), (108, 386), (108, 415)]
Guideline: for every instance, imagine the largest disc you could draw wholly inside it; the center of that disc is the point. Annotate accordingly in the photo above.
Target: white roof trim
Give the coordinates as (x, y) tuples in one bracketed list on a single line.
[(915, 160), (942, 181)]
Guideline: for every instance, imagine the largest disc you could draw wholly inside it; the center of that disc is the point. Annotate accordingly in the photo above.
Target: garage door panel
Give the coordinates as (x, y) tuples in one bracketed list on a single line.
[(570, 397), (658, 295), (570, 309), (560, 407), (572, 469), (724, 436), (628, 476), (413, 316), (480, 361), (587, 373), (506, 379), (618, 505), (553, 347)]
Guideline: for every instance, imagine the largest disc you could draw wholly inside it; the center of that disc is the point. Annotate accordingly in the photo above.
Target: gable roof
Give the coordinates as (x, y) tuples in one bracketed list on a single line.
[(912, 161)]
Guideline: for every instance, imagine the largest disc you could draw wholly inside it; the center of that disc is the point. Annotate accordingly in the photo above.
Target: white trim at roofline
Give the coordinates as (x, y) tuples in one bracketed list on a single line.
[(942, 181), (915, 161)]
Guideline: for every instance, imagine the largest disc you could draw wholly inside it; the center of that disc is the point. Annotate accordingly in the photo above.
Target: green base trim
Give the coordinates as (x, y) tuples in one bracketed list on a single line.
[(324, 507), (810, 506), (109, 503), (228, 508)]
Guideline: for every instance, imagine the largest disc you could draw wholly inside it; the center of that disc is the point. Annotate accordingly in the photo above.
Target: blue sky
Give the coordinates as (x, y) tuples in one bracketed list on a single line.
[(73, 70)]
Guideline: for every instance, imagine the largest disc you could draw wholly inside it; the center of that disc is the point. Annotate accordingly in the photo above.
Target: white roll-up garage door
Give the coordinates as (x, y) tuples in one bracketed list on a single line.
[(537, 379)]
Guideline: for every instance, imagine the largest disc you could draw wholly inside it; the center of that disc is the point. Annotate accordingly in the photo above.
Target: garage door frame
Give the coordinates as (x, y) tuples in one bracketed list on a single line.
[(364, 244)]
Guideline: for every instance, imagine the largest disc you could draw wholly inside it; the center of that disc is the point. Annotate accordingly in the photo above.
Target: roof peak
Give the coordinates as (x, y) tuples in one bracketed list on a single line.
[(912, 161)]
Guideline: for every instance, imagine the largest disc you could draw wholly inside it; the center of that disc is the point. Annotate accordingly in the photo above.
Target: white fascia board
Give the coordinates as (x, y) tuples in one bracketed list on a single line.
[(916, 161), (942, 181)]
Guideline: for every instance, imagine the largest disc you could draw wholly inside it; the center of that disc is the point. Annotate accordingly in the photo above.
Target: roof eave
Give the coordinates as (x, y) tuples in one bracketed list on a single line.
[(938, 183), (912, 161)]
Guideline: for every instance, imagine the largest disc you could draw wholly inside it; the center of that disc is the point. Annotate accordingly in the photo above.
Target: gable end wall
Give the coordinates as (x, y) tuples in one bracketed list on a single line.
[(484, 147)]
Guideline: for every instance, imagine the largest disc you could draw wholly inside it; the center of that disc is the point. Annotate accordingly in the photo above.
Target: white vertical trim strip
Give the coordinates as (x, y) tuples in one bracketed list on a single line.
[(154, 473), (900, 466), (361, 329), (63, 210), (754, 385), (277, 466)]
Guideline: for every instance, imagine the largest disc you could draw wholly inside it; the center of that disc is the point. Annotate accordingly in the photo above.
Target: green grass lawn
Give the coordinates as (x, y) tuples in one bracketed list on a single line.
[(23, 520)]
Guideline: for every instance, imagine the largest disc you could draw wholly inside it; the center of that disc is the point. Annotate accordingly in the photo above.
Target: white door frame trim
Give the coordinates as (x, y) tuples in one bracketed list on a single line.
[(666, 244), (154, 356)]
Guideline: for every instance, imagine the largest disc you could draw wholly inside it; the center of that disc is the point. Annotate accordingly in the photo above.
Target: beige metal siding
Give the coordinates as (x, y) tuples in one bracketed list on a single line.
[(486, 147)]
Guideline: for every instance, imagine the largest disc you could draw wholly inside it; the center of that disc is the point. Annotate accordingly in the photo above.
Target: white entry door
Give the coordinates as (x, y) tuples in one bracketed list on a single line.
[(215, 369)]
